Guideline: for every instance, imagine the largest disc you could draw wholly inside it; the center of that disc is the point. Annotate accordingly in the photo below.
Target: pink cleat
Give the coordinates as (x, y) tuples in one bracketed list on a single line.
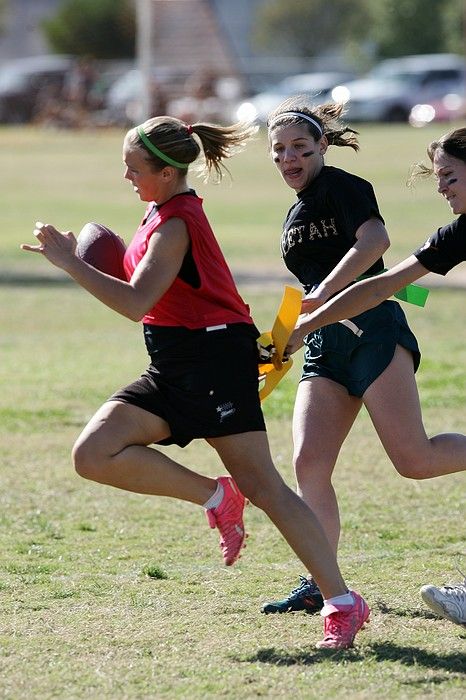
[(343, 622), (228, 518)]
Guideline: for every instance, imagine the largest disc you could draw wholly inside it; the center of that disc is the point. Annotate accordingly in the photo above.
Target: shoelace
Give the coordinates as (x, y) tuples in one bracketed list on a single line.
[(305, 585), (335, 626), (458, 587)]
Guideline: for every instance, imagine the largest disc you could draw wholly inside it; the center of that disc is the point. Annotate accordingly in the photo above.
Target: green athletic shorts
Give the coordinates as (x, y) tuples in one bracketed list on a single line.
[(355, 352)]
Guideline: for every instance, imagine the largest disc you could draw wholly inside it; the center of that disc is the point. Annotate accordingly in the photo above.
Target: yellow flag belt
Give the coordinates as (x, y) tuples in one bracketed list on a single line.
[(274, 342)]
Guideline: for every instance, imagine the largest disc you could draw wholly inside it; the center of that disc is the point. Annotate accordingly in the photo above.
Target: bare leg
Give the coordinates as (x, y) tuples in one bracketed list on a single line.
[(323, 415), (393, 404), (247, 458), (113, 449)]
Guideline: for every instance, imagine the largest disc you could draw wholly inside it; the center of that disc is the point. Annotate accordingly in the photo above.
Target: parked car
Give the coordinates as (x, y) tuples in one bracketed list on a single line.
[(25, 81), (394, 86), (318, 85), (448, 108)]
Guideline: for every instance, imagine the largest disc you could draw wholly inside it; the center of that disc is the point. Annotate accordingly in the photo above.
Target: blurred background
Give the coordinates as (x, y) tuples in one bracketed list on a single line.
[(82, 63)]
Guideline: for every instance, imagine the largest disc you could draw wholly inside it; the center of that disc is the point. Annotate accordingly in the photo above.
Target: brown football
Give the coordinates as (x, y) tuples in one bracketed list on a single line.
[(101, 248)]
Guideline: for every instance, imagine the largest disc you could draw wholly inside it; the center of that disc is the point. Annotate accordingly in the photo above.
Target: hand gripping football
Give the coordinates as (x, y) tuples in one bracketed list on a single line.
[(101, 248)]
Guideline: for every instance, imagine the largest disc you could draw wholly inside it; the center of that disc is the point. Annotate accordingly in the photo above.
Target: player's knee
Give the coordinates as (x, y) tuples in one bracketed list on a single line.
[(311, 471), (410, 466), (83, 459), (302, 468)]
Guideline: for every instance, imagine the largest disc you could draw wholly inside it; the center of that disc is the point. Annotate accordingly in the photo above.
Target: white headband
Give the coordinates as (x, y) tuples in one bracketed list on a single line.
[(301, 116)]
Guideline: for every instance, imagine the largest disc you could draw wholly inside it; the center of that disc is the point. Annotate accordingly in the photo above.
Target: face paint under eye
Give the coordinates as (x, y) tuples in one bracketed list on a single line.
[(307, 154), (452, 180)]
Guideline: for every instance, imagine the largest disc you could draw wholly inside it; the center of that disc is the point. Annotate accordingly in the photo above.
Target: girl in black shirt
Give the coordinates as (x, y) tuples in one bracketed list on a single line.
[(441, 252), (333, 235)]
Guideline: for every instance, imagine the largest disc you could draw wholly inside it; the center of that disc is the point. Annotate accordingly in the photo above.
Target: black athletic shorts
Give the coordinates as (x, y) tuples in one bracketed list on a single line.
[(203, 383), (355, 352)]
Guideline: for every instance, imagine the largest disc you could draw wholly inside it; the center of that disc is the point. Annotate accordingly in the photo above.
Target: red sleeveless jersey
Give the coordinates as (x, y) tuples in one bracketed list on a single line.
[(216, 300)]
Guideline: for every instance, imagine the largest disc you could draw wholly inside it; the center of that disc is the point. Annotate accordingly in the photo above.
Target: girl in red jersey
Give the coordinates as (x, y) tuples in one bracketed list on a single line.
[(179, 284)]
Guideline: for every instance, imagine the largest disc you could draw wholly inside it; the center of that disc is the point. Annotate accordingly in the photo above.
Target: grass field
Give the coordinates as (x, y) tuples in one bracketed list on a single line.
[(106, 594), (68, 178)]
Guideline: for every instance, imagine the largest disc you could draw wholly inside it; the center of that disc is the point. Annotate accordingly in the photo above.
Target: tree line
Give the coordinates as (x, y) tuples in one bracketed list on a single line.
[(365, 30)]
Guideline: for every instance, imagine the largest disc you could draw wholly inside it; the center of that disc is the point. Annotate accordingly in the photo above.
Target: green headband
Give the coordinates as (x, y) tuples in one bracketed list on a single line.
[(156, 151)]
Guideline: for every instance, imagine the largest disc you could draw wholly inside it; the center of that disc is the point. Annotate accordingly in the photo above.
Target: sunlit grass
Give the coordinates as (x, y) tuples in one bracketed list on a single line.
[(70, 178), (107, 594)]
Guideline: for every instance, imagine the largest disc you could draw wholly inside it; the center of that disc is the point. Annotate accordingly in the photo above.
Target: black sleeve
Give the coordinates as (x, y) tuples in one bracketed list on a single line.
[(445, 249), (355, 201)]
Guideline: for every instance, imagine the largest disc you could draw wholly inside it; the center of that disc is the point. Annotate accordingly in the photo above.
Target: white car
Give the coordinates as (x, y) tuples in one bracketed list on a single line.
[(318, 85), (394, 86)]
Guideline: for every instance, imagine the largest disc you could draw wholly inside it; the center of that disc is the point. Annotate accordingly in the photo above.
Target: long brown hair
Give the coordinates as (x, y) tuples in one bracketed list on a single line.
[(327, 115)]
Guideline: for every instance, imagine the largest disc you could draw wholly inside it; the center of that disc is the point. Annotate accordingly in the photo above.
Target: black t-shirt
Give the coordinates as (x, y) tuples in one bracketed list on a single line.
[(445, 248), (320, 228)]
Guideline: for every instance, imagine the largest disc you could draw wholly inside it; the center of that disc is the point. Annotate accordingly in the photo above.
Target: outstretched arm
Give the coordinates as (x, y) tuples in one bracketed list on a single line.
[(153, 276), (360, 297)]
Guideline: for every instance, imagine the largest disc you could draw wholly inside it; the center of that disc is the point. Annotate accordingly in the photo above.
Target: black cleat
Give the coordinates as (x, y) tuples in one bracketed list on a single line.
[(306, 597)]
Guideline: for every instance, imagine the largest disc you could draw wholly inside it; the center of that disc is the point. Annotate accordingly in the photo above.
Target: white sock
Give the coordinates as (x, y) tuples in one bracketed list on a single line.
[(345, 599), (216, 498)]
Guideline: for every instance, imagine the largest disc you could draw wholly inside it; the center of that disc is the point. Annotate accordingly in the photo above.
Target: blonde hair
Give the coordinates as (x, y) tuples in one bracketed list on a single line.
[(176, 141), (326, 115)]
